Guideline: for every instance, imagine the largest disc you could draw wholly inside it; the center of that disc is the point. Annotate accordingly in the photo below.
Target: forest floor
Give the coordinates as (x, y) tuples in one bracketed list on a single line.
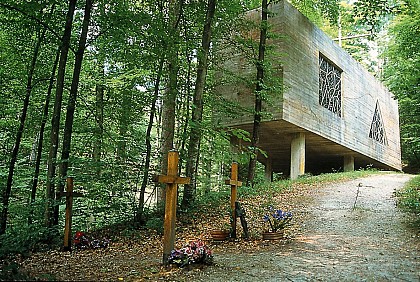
[(342, 231)]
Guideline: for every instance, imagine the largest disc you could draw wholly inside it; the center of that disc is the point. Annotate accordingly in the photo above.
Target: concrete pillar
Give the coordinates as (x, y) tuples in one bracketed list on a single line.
[(269, 170), (348, 163), (297, 160)]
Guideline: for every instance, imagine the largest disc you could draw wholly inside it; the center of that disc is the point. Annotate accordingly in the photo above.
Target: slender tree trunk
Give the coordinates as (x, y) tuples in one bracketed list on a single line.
[(8, 189), (55, 123), (169, 99), (186, 108), (149, 144), (258, 100), (197, 112), (41, 134), (71, 106)]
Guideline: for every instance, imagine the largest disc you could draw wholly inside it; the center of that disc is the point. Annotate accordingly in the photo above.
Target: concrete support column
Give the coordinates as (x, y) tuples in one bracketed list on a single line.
[(348, 163), (297, 162), (269, 170)]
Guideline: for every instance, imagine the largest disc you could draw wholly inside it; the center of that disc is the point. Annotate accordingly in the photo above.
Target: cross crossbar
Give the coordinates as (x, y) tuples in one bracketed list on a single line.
[(171, 179), (233, 182)]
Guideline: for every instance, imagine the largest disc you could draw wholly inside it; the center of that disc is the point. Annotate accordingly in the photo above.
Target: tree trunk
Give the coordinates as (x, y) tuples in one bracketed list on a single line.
[(197, 111), (186, 111), (71, 106), (41, 134), (169, 99), (258, 100), (55, 123), (8, 189), (140, 211)]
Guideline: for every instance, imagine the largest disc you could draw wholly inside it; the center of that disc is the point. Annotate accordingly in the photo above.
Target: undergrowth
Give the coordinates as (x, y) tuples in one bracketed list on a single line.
[(27, 239)]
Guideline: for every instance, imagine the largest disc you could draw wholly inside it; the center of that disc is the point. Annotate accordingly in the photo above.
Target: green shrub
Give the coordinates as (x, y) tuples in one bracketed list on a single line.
[(155, 223), (27, 239)]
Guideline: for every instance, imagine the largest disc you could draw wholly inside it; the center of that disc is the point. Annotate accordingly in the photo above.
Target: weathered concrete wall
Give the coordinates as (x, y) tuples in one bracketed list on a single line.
[(360, 90), (301, 44)]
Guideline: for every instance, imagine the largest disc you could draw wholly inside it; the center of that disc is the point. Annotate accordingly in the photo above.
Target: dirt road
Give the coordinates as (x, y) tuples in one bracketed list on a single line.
[(355, 233)]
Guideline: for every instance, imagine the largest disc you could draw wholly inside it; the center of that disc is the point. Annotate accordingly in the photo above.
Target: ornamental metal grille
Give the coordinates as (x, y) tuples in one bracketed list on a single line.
[(377, 129), (329, 86)]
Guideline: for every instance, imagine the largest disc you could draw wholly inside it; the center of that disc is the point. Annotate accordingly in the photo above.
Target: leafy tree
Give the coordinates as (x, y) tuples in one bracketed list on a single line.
[(197, 108), (55, 123), (6, 191), (258, 89), (71, 105), (402, 76)]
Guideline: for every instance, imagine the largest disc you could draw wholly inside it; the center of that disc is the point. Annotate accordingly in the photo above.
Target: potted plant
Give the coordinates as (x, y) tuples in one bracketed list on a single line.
[(221, 233), (277, 220)]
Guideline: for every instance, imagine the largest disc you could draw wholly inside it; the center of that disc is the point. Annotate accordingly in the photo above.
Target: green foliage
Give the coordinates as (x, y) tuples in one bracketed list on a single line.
[(155, 223), (318, 10), (408, 197), (215, 197), (28, 238), (374, 12), (402, 76)]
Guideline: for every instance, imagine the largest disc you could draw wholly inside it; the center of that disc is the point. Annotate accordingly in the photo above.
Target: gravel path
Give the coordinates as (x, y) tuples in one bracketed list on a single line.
[(346, 240)]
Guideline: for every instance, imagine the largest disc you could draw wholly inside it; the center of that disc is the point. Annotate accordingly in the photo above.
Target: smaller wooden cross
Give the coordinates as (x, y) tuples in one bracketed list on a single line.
[(172, 180), (234, 183), (69, 194)]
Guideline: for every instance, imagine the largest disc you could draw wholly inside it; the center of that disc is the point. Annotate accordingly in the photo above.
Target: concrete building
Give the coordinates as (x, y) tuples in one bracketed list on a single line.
[(331, 113)]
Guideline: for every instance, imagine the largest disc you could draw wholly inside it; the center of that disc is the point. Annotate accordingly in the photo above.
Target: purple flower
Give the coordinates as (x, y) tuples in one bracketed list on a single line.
[(277, 219)]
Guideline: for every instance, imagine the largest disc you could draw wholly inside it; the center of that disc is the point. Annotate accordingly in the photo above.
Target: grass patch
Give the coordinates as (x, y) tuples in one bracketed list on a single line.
[(282, 185), (408, 198)]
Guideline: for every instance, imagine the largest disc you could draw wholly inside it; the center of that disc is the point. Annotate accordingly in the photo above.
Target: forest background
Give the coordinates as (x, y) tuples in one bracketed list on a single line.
[(102, 90)]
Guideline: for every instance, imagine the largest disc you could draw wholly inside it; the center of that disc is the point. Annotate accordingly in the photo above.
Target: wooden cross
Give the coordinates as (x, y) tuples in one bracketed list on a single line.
[(69, 194), (234, 183), (172, 180)]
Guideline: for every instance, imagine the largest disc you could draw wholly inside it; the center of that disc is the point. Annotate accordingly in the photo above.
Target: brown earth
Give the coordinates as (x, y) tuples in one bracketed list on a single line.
[(348, 231)]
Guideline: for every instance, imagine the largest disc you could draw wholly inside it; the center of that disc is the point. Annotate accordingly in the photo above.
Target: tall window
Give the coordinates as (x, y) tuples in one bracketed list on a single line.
[(329, 86), (377, 129)]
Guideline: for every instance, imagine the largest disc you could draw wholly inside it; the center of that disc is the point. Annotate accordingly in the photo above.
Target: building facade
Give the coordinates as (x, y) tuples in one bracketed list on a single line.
[(330, 114)]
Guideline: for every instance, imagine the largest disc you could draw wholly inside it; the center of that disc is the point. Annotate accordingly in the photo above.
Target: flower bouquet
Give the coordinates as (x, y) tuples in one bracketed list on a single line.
[(193, 253)]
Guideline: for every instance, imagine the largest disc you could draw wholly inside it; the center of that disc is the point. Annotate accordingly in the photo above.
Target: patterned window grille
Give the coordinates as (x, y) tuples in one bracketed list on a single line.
[(377, 129), (329, 86)]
